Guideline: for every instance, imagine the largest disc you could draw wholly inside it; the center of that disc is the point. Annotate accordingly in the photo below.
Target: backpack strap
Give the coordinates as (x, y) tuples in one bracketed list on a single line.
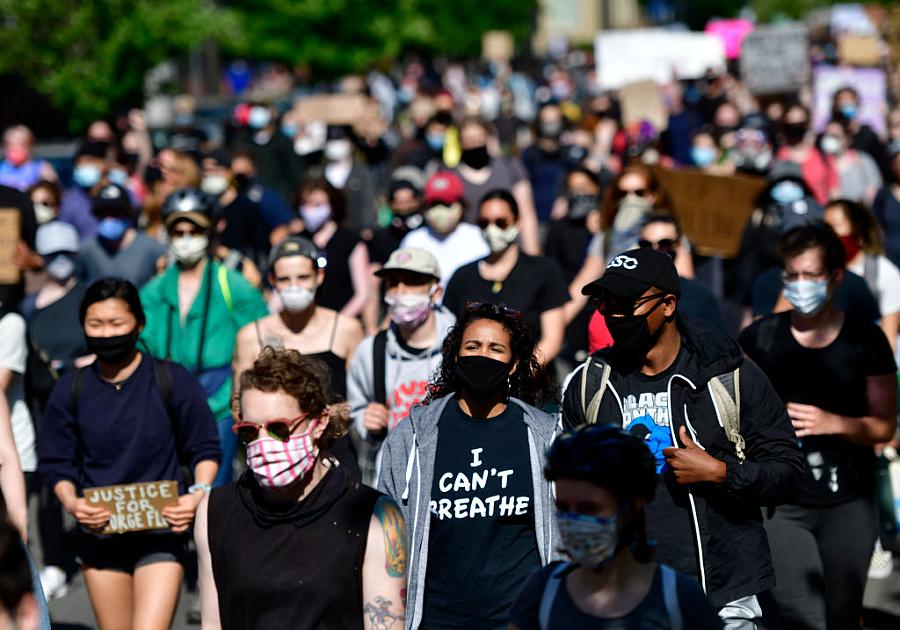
[(222, 277), (870, 275), (551, 586), (670, 596), (75, 391), (726, 395), (592, 408), (379, 368)]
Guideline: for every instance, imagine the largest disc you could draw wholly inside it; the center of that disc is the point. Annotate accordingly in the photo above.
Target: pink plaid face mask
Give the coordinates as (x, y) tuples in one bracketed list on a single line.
[(277, 464)]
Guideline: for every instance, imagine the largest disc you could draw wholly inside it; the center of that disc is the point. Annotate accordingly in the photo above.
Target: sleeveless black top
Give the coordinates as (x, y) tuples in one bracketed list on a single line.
[(290, 566)]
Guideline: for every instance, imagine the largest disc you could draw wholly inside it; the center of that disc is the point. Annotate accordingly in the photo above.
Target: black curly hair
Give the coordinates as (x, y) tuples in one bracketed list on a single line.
[(530, 383)]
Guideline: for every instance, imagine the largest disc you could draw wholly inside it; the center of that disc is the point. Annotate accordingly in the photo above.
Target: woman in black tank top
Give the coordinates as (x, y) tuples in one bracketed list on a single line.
[(295, 542), (303, 325)]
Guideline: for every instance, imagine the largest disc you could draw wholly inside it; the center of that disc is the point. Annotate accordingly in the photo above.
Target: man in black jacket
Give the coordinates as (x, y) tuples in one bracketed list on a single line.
[(723, 442)]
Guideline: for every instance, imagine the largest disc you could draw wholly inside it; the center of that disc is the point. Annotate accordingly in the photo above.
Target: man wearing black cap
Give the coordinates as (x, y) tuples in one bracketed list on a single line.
[(723, 443), (118, 250)]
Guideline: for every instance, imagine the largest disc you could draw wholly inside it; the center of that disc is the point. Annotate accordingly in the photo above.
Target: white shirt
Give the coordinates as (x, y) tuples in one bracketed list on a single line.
[(462, 246), (13, 355), (887, 283)]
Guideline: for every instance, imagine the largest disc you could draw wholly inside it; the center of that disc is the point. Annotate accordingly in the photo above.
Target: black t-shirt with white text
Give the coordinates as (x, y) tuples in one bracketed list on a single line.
[(832, 378), (482, 544), (645, 403)]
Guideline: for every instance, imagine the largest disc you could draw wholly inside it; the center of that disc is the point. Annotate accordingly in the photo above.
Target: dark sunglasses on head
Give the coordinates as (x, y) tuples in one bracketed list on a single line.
[(472, 307), (500, 223), (279, 429), (662, 244)]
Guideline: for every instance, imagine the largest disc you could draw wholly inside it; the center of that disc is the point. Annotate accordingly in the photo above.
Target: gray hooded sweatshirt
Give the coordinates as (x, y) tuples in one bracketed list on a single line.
[(407, 472), (406, 374)]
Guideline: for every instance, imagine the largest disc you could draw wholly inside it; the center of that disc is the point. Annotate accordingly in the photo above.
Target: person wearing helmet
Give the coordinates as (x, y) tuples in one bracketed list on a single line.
[(604, 477), (195, 308)]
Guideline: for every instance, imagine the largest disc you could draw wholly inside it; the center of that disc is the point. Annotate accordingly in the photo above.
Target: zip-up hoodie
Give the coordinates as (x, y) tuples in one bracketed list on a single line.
[(407, 473), (730, 543), (406, 374)]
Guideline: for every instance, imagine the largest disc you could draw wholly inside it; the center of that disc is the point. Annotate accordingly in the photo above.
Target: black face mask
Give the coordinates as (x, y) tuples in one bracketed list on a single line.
[(112, 350), (482, 377), (631, 334), (407, 223), (794, 132), (580, 206), (476, 158)]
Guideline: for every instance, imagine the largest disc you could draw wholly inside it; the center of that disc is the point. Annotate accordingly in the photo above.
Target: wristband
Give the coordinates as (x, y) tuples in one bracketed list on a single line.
[(200, 486)]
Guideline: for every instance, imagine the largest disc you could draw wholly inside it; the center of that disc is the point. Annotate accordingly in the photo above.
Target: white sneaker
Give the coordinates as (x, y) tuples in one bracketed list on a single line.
[(882, 563), (53, 581)]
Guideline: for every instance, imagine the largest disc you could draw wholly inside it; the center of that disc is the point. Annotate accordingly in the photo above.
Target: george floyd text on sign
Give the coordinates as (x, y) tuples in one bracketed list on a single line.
[(712, 209), (134, 507)]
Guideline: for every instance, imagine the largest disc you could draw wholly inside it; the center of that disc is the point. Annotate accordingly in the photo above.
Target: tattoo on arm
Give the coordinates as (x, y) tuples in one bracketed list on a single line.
[(380, 615), (395, 539)]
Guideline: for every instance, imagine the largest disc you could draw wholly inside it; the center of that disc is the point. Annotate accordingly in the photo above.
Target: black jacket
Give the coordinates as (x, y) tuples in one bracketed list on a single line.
[(733, 554)]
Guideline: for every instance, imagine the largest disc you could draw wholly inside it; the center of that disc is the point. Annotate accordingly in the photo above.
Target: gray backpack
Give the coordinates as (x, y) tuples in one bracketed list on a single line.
[(725, 390)]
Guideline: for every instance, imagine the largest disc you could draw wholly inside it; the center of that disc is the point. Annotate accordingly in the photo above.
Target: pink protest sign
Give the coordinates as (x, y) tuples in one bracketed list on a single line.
[(731, 32)]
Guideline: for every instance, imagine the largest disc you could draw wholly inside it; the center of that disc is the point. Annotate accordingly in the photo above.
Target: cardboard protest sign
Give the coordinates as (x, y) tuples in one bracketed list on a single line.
[(859, 51), (642, 100), (334, 109), (10, 234), (731, 32), (775, 59), (712, 209), (497, 45), (870, 84), (134, 507), (627, 56)]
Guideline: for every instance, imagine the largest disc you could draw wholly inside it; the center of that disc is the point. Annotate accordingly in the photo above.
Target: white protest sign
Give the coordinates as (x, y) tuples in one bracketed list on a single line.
[(775, 59)]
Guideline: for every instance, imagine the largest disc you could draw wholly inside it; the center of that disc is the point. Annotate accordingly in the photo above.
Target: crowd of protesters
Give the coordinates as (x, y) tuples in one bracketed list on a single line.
[(457, 364)]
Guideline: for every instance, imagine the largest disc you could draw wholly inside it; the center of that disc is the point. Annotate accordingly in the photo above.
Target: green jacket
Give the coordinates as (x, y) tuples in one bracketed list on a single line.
[(232, 304)]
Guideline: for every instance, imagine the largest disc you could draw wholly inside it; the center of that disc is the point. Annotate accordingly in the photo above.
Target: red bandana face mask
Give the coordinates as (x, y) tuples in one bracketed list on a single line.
[(277, 464), (852, 247)]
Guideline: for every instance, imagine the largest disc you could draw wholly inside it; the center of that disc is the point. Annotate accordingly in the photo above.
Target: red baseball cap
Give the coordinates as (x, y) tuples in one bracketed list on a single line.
[(443, 187)]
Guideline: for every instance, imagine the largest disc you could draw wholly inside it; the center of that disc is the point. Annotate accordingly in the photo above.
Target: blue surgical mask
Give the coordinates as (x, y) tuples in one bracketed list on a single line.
[(118, 176), (86, 175), (703, 156), (435, 141), (787, 192), (290, 129), (849, 110), (808, 297), (112, 228), (259, 117)]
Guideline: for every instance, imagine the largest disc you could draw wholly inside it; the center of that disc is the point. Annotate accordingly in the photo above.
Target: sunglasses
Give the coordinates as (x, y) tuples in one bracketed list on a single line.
[(663, 244), (639, 192), (188, 232), (473, 307), (500, 223), (609, 305), (279, 429)]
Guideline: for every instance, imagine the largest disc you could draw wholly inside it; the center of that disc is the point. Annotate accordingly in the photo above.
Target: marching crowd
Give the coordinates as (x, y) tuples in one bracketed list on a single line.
[(456, 367)]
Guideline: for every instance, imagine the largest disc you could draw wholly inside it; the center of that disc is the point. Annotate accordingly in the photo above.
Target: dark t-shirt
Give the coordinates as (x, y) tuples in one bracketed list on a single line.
[(649, 614), (505, 173), (834, 379), (482, 544), (887, 209), (55, 329), (383, 243), (853, 295), (245, 229), (645, 401), (337, 287), (534, 285)]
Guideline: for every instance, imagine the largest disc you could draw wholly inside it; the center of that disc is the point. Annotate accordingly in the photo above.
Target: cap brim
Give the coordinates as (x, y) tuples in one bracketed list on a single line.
[(197, 218), (616, 285)]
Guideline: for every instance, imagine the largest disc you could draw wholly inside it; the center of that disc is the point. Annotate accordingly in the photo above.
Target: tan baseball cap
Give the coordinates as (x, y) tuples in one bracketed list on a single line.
[(412, 259)]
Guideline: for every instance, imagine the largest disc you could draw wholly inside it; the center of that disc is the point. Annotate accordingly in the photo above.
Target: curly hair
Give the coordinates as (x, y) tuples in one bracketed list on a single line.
[(531, 382), (303, 378)]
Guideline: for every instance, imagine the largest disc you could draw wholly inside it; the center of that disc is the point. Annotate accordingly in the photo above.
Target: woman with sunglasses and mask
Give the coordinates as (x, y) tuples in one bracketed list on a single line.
[(604, 478), (127, 418), (465, 470), (532, 285), (296, 542)]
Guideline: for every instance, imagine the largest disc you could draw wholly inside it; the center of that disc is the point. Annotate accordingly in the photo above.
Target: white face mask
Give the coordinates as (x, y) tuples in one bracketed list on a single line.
[(43, 213), (498, 238), (443, 219), (296, 298), (315, 216), (831, 144), (189, 249), (214, 184), (61, 268), (337, 150)]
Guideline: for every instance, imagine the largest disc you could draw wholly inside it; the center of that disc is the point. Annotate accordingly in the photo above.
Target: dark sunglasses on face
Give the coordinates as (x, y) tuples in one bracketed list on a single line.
[(663, 244), (279, 429), (500, 223), (186, 232), (639, 192), (611, 305)]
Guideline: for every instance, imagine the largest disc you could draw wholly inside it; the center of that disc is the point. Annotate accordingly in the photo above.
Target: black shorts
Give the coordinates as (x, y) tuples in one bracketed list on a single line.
[(127, 552)]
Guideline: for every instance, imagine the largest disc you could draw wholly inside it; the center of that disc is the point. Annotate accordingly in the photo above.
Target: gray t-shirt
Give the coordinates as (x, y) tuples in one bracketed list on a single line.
[(136, 263), (505, 173)]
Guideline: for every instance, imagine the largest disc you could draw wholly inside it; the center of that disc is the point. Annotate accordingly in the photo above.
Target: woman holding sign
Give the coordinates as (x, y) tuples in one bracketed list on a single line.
[(127, 421), (467, 472)]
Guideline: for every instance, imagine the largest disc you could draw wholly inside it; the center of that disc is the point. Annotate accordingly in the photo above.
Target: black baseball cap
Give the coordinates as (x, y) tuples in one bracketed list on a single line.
[(297, 246), (112, 201), (631, 273)]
